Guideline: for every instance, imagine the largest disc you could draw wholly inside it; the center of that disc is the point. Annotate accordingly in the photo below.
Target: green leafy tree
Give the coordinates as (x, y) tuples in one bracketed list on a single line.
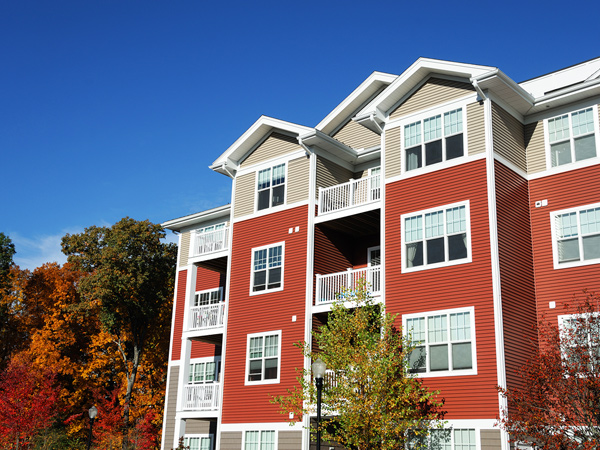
[(7, 251), (9, 335), (370, 399), (129, 279)]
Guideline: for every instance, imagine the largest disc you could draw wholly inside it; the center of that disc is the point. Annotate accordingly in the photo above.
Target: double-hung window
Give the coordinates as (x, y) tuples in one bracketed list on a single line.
[(443, 342), (203, 372), (436, 237), (576, 234), (572, 137), (209, 297), (446, 439), (259, 440), (434, 140), (264, 354), (267, 268), (198, 442), (580, 341), (271, 187)]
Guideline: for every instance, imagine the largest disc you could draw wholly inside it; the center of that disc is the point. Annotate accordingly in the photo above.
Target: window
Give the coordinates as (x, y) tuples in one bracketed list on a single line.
[(446, 439), (571, 137), (271, 187), (259, 440), (203, 372), (267, 268), (209, 297), (434, 140), (576, 235), (198, 442), (443, 342), (375, 183), (580, 341), (264, 352), (436, 237)]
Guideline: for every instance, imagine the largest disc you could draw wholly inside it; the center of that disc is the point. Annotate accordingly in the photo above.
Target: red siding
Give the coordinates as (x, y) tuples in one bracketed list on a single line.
[(265, 312), (462, 285), (566, 190), (178, 311), (516, 270), (209, 279)]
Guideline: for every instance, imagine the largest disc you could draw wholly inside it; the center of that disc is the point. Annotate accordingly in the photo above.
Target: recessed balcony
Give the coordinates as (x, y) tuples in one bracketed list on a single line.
[(209, 242), (206, 317), (332, 286), (351, 195), (202, 397)]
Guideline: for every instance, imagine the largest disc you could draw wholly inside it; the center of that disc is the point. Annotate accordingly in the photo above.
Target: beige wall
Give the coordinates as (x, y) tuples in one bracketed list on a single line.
[(330, 174), (197, 426), (534, 143), (245, 185), (508, 137), (356, 136), (275, 145), (297, 180), (184, 250), (171, 407), (289, 440), (231, 440), (393, 152), (490, 440), (475, 128)]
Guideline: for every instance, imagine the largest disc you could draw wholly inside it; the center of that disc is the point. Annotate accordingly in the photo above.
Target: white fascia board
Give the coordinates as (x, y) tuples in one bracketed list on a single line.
[(253, 136), (354, 101), (568, 95), (505, 88), (420, 69), (197, 218), (316, 138)]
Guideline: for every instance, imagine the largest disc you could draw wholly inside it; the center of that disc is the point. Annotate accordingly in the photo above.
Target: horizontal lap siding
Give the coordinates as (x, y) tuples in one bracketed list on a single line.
[(536, 151), (178, 310), (356, 136), (509, 137), (275, 145), (270, 311), (289, 440), (171, 407), (516, 270), (330, 174), (184, 249), (393, 152), (567, 190), (245, 185), (475, 128), (231, 440), (298, 173), (463, 285)]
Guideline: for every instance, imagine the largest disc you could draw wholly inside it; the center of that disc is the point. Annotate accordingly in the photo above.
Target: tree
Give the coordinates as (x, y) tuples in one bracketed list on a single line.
[(7, 251), (129, 278), (557, 405), (377, 403)]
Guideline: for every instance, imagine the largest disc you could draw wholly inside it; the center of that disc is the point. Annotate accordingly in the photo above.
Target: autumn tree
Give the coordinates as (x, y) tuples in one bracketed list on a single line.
[(129, 278), (372, 400), (9, 332), (557, 405)]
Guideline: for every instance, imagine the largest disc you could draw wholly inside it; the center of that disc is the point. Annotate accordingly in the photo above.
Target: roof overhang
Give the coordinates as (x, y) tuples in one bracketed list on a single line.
[(198, 218)]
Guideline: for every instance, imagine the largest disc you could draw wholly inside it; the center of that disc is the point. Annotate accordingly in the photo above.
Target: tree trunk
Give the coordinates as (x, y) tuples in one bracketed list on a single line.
[(130, 383)]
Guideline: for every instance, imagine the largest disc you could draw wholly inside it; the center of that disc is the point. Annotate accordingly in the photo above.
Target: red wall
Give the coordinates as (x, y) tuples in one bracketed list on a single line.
[(269, 311), (178, 312)]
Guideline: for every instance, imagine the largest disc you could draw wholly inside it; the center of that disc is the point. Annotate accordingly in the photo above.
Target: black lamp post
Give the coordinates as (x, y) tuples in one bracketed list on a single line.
[(93, 412), (318, 369)]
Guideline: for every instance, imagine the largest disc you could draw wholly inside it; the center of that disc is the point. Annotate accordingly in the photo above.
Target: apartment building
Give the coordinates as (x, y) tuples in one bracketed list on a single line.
[(468, 201)]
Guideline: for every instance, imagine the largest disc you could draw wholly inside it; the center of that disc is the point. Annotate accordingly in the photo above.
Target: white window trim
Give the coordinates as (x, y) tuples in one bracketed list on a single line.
[(201, 436), (554, 231), (466, 260), (285, 188), (275, 444), (208, 359), (263, 381), (462, 104), (266, 290), (574, 164), (446, 373), (204, 291)]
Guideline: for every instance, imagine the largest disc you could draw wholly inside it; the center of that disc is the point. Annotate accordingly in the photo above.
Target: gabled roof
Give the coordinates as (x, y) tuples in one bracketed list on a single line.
[(230, 160), (198, 218)]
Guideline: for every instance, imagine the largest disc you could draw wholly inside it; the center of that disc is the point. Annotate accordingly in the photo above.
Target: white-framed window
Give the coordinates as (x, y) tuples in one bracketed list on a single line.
[(204, 372), (198, 442), (436, 237), (263, 357), (580, 340), (208, 297), (444, 342), (267, 268), (572, 137), (270, 187), (447, 439), (259, 440), (433, 140), (576, 236), (375, 183)]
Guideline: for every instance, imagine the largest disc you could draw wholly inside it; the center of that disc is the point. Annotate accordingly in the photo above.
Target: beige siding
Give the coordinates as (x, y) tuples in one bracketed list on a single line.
[(509, 137), (490, 440), (536, 151), (289, 440), (393, 153), (475, 128), (197, 426), (231, 440), (330, 174), (185, 248), (434, 92), (356, 136), (297, 187), (275, 145), (171, 407), (245, 185)]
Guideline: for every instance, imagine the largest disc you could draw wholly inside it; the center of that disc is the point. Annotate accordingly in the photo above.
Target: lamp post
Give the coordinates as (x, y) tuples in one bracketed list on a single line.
[(93, 412), (318, 369)]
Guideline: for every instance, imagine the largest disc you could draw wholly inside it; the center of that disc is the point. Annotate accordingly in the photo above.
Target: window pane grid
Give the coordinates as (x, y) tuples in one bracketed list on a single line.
[(438, 329), (256, 344), (263, 358), (583, 122), (279, 174), (456, 221), (252, 438), (417, 329), (460, 328), (414, 228), (434, 224), (275, 256), (590, 221), (260, 259), (558, 128), (432, 128), (453, 122), (412, 134), (264, 179)]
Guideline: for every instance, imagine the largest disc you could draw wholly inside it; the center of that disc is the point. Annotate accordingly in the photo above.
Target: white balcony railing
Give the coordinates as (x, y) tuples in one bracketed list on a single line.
[(330, 286), (202, 397), (210, 241), (206, 316), (350, 194)]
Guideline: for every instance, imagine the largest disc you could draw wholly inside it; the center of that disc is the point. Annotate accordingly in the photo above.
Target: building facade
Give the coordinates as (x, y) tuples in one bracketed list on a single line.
[(469, 202)]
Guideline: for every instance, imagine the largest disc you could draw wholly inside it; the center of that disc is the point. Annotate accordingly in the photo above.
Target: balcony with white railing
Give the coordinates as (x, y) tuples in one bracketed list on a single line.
[(206, 242), (206, 317), (330, 286), (202, 397), (351, 194)]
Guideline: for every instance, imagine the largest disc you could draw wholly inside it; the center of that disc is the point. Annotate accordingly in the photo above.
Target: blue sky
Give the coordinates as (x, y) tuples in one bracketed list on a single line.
[(116, 108)]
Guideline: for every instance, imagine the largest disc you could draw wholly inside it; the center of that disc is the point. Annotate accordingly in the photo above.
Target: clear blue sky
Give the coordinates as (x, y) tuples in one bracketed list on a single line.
[(116, 108)]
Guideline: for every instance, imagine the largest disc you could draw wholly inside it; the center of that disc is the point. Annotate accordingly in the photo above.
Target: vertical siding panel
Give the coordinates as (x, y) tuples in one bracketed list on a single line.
[(475, 128), (509, 138), (298, 174), (393, 152), (434, 92), (185, 248), (275, 145), (171, 407), (536, 151), (245, 186), (356, 136), (330, 174), (178, 311)]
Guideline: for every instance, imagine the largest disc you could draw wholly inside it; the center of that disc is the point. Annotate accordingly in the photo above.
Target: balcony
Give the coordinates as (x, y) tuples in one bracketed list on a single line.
[(351, 194), (331, 285), (206, 316), (202, 397), (206, 242)]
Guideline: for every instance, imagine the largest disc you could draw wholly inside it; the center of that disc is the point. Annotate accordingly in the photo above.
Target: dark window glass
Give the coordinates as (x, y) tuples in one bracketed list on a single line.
[(456, 246), (278, 193), (435, 250), (260, 278), (433, 152), (438, 357), (416, 360), (274, 278), (461, 356), (454, 146), (413, 158), (263, 199), (255, 372), (270, 369), (414, 254)]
